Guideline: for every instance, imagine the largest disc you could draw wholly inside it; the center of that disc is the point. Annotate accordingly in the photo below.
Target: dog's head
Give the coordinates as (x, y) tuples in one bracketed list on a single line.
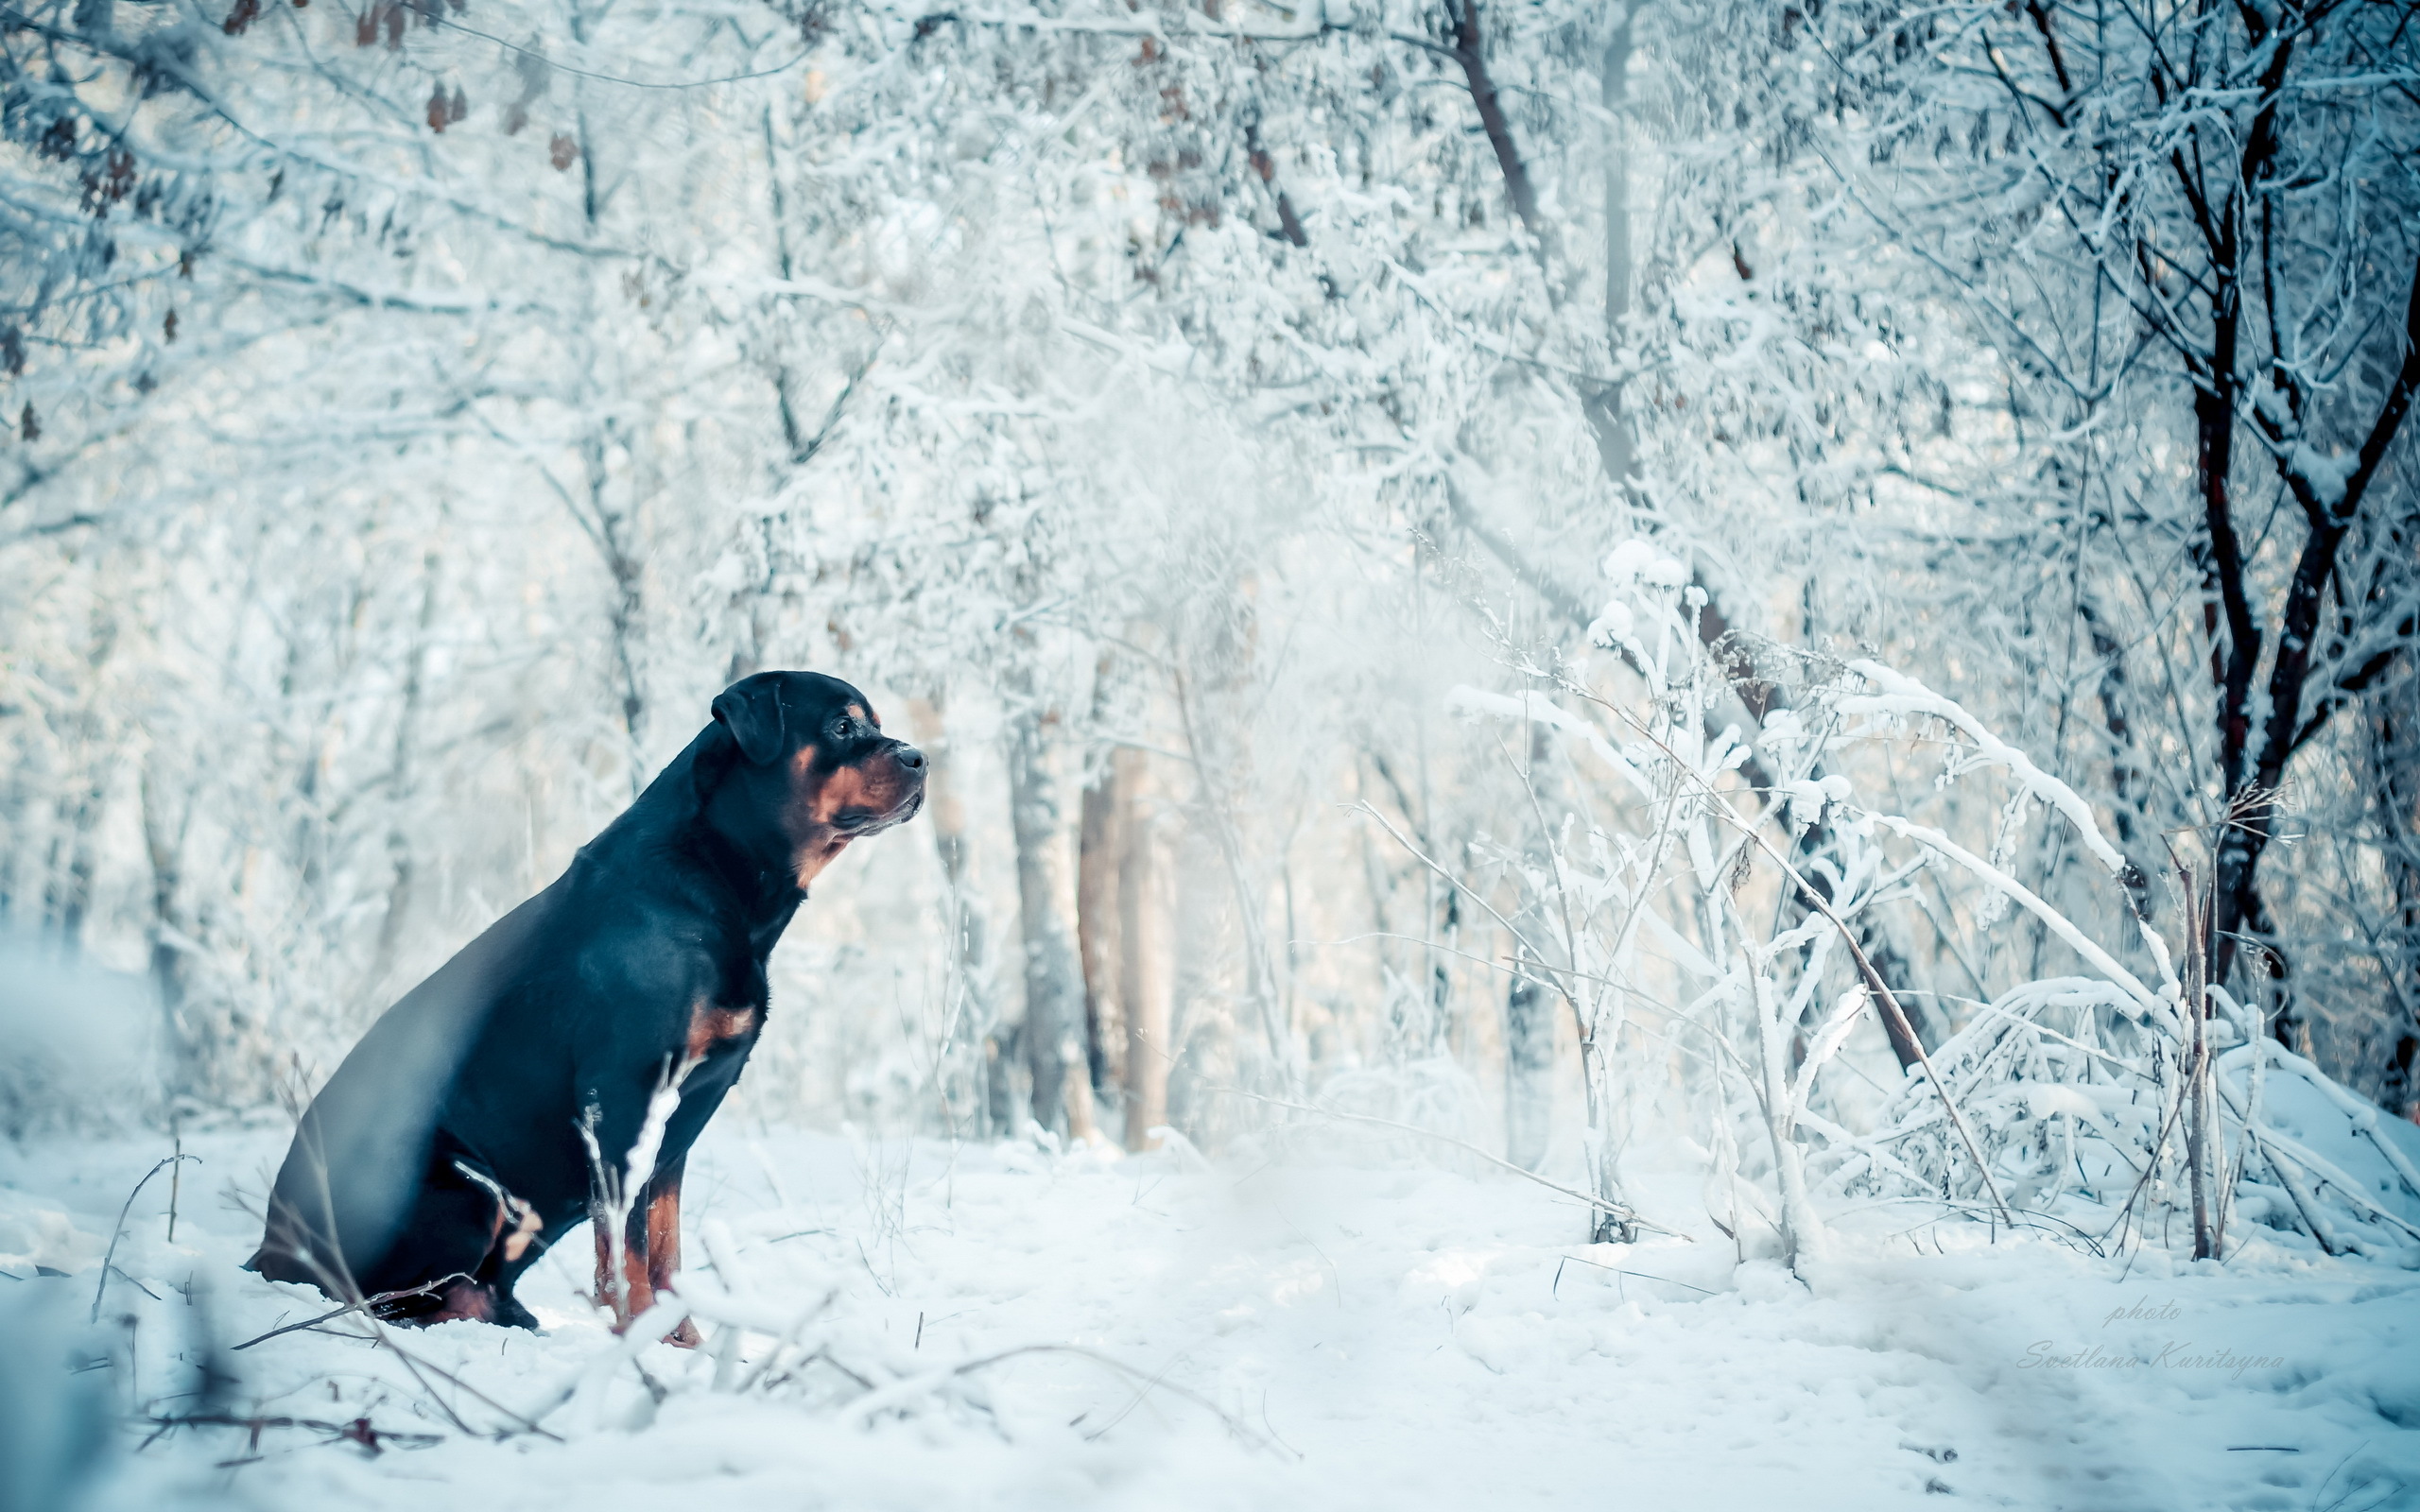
[(814, 764)]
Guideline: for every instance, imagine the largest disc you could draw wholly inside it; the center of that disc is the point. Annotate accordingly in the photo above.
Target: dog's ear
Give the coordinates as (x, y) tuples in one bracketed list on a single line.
[(751, 709)]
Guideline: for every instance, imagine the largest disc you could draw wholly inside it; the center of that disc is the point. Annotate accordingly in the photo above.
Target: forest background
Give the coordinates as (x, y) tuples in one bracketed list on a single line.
[(1340, 489)]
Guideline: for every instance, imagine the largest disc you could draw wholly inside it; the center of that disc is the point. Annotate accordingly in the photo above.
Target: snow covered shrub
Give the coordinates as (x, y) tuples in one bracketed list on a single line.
[(1728, 927)]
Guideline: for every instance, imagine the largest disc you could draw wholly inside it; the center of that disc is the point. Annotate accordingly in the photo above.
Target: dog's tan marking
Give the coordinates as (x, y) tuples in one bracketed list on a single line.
[(709, 1026), (525, 1224), (464, 1299), (874, 787), (524, 1231), (847, 789)]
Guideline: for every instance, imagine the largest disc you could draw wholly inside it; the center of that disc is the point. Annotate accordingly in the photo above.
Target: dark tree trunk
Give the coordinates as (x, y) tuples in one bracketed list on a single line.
[(1099, 942)]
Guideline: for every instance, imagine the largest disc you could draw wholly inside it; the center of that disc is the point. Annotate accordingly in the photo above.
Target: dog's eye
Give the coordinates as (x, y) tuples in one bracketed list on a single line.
[(843, 728)]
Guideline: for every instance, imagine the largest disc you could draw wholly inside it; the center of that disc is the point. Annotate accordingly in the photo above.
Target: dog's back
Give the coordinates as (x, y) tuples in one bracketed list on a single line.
[(349, 1179)]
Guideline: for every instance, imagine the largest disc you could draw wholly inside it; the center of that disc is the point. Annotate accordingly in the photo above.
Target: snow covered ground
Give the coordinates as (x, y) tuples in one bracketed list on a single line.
[(1007, 1327)]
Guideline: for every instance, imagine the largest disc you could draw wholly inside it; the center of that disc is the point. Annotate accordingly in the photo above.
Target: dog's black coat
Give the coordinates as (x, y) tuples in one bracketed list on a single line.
[(464, 1101)]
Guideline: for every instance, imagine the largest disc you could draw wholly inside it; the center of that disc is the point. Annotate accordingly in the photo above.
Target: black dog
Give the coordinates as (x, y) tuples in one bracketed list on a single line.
[(467, 1130)]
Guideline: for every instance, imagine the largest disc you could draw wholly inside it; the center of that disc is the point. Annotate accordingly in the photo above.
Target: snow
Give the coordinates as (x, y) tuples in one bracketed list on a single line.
[(1784, 732), (2326, 475), (1469, 702), (1612, 625), (2335, 1138), (1177, 418), (1269, 1333), (1635, 560), (1808, 796)]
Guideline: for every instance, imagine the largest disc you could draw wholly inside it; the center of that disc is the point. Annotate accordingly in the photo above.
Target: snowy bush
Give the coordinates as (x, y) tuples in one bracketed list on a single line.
[(1711, 942)]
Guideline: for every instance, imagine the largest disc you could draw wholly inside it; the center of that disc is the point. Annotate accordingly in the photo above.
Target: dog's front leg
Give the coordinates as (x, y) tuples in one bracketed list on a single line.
[(658, 1251), (650, 1256)]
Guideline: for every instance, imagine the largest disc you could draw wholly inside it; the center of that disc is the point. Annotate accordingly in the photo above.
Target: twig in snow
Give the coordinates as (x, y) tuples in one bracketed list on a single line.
[(136, 1284), (175, 1185), (380, 1337), (1640, 1274), (357, 1432), (356, 1307), (107, 1260), (1141, 1393)]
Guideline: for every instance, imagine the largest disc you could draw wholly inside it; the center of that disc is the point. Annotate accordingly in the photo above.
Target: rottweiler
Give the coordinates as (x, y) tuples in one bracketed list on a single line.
[(497, 1105)]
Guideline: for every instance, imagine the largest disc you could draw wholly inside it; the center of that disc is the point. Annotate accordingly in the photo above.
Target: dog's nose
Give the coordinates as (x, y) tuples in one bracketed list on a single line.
[(908, 757)]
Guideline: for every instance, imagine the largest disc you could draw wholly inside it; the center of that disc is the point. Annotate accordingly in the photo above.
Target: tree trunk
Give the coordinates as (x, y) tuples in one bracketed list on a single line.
[(2201, 1131), (1529, 1003), (1603, 404), (1470, 50), (1528, 1071), (1201, 1031), (71, 891), (163, 846), (71, 881), (1599, 1036), (401, 785), (1143, 985), (1098, 938), (1802, 1234), (1053, 978), (626, 612), (977, 1013), (2396, 774)]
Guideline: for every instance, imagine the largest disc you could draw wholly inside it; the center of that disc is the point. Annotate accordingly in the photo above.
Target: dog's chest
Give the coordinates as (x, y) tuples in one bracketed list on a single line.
[(727, 1015)]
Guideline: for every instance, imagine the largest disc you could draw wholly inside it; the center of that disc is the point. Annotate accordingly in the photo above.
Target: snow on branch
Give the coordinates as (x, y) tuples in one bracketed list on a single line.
[(1903, 696), (1537, 707), (2161, 1007)]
